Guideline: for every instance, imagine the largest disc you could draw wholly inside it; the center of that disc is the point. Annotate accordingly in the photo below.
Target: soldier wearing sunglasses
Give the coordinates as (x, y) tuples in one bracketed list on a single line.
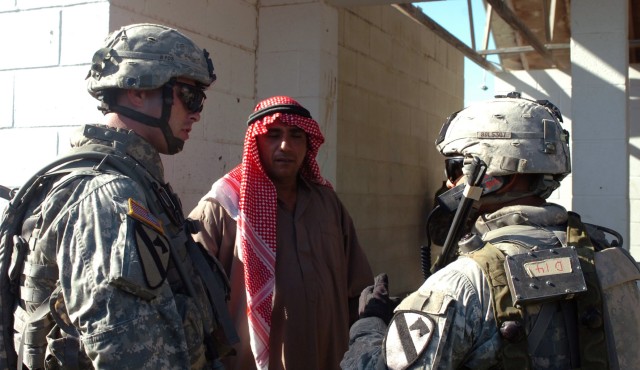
[(110, 277)]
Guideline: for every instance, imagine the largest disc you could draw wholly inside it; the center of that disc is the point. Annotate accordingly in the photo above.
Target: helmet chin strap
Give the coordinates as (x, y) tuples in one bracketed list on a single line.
[(541, 187), (174, 144)]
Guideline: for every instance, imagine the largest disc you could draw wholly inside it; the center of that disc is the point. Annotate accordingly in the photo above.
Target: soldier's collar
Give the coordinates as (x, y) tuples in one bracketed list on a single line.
[(549, 214)]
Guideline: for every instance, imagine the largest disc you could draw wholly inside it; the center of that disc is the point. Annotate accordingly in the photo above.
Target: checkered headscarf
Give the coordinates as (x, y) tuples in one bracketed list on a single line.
[(257, 215)]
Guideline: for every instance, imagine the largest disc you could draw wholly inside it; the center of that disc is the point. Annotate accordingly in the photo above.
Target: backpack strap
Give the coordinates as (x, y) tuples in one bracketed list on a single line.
[(510, 320), (589, 304)]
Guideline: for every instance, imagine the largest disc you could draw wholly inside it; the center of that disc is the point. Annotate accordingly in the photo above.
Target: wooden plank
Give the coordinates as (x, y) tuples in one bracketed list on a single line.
[(418, 15)]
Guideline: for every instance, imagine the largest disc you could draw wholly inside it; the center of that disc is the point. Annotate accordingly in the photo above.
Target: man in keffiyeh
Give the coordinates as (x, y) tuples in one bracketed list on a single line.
[(287, 244)]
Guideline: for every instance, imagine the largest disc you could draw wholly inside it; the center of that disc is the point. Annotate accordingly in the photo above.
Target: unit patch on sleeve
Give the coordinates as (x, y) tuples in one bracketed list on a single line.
[(408, 335), (153, 246)]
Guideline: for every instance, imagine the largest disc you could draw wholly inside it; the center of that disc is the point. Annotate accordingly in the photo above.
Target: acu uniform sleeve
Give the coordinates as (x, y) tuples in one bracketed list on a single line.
[(443, 325), (365, 345), (127, 317)]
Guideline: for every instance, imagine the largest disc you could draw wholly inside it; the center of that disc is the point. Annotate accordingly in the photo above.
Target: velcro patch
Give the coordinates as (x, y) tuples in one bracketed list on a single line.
[(141, 213), (153, 249), (408, 335)]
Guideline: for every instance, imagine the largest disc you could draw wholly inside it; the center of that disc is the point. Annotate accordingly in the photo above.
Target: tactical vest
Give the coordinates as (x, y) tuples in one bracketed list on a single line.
[(601, 313), (43, 334)]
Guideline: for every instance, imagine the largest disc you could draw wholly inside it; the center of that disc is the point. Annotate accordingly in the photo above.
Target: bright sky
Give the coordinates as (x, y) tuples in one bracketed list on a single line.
[(453, 16)]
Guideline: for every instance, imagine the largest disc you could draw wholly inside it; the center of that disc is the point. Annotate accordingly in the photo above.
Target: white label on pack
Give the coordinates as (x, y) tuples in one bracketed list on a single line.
[(553, 266)]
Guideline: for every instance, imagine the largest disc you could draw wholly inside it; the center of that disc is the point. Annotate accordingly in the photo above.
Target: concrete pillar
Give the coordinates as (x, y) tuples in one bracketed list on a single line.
[(599, 67), (297, 55)]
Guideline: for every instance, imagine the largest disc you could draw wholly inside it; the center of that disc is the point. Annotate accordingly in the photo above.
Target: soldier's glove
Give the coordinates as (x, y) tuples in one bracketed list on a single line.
[(375, 301)]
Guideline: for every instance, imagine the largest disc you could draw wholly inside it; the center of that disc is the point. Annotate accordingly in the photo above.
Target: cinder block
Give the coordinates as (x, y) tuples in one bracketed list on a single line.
[(347, 66), (382, 46), (123, 13), (407, 89), (6, 99), (31, 4), (357, 33), (7, 5), (595, 55), (277, 73), (84, 29), (298, 27), (634, 156), (634, 188), (37, 48), (610, 162), (227, 117), (635, 206), (373, 76), (233, 22), (62, 98), (24, 151), (603, 114), (379, 112), (349, 98), (588, 16), (268, 3)]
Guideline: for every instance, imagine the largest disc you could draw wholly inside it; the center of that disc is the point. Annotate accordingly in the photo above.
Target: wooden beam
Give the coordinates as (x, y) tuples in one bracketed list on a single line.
[(471, 28), (522, 49), (512, 20), (487, 28), (418, 15)]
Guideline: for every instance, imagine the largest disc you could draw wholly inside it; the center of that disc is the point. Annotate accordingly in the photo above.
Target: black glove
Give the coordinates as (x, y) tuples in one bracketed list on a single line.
[(375, 301)]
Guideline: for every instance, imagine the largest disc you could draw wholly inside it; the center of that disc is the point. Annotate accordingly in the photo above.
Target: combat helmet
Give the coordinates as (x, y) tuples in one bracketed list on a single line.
[(143, 57), (512, 135)]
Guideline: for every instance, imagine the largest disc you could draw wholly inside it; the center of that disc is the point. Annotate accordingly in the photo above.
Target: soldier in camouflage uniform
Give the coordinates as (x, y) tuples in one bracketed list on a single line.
[(464, 315), (110, 253)]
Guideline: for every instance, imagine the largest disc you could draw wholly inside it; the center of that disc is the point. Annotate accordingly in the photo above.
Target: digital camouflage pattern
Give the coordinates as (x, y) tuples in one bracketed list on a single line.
[(465, 333), (90, 241), (146, 56), (511, 135)]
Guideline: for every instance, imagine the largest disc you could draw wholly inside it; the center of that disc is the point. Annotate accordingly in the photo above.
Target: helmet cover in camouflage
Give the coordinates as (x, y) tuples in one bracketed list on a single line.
[(146, 56), (511, 135)]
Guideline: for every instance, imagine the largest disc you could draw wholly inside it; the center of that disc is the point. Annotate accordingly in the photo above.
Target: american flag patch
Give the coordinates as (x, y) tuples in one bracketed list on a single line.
[(140, 213)]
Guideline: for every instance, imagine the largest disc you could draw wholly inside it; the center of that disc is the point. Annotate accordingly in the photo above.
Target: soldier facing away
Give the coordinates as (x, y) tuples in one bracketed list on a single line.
[(533, 287), (107, 273)]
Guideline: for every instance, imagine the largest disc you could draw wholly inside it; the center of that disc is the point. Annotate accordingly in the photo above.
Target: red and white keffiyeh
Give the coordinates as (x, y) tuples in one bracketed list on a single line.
[(250, 197)]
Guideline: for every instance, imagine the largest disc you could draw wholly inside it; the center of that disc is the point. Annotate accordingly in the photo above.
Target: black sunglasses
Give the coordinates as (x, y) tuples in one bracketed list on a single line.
[(453, 168), (191, 96)]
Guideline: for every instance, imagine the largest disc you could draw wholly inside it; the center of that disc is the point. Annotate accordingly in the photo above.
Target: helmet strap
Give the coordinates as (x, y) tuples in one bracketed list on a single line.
[(174, 144), (541, 187)]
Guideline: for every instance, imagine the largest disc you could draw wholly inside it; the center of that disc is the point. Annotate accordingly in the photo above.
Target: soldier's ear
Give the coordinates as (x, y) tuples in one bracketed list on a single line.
[(136, 98)]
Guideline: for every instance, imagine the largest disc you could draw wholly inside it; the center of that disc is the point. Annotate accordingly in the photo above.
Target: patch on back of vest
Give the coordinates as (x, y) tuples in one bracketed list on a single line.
[(408, 335)]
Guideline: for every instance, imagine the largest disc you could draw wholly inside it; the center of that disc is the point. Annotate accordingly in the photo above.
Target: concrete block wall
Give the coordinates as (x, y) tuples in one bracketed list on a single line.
[(43, 94), (397, 84), (43, 97)]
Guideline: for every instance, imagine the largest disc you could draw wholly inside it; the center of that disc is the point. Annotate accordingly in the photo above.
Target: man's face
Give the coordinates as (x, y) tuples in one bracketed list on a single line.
[(282, 150), (181, 119)]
